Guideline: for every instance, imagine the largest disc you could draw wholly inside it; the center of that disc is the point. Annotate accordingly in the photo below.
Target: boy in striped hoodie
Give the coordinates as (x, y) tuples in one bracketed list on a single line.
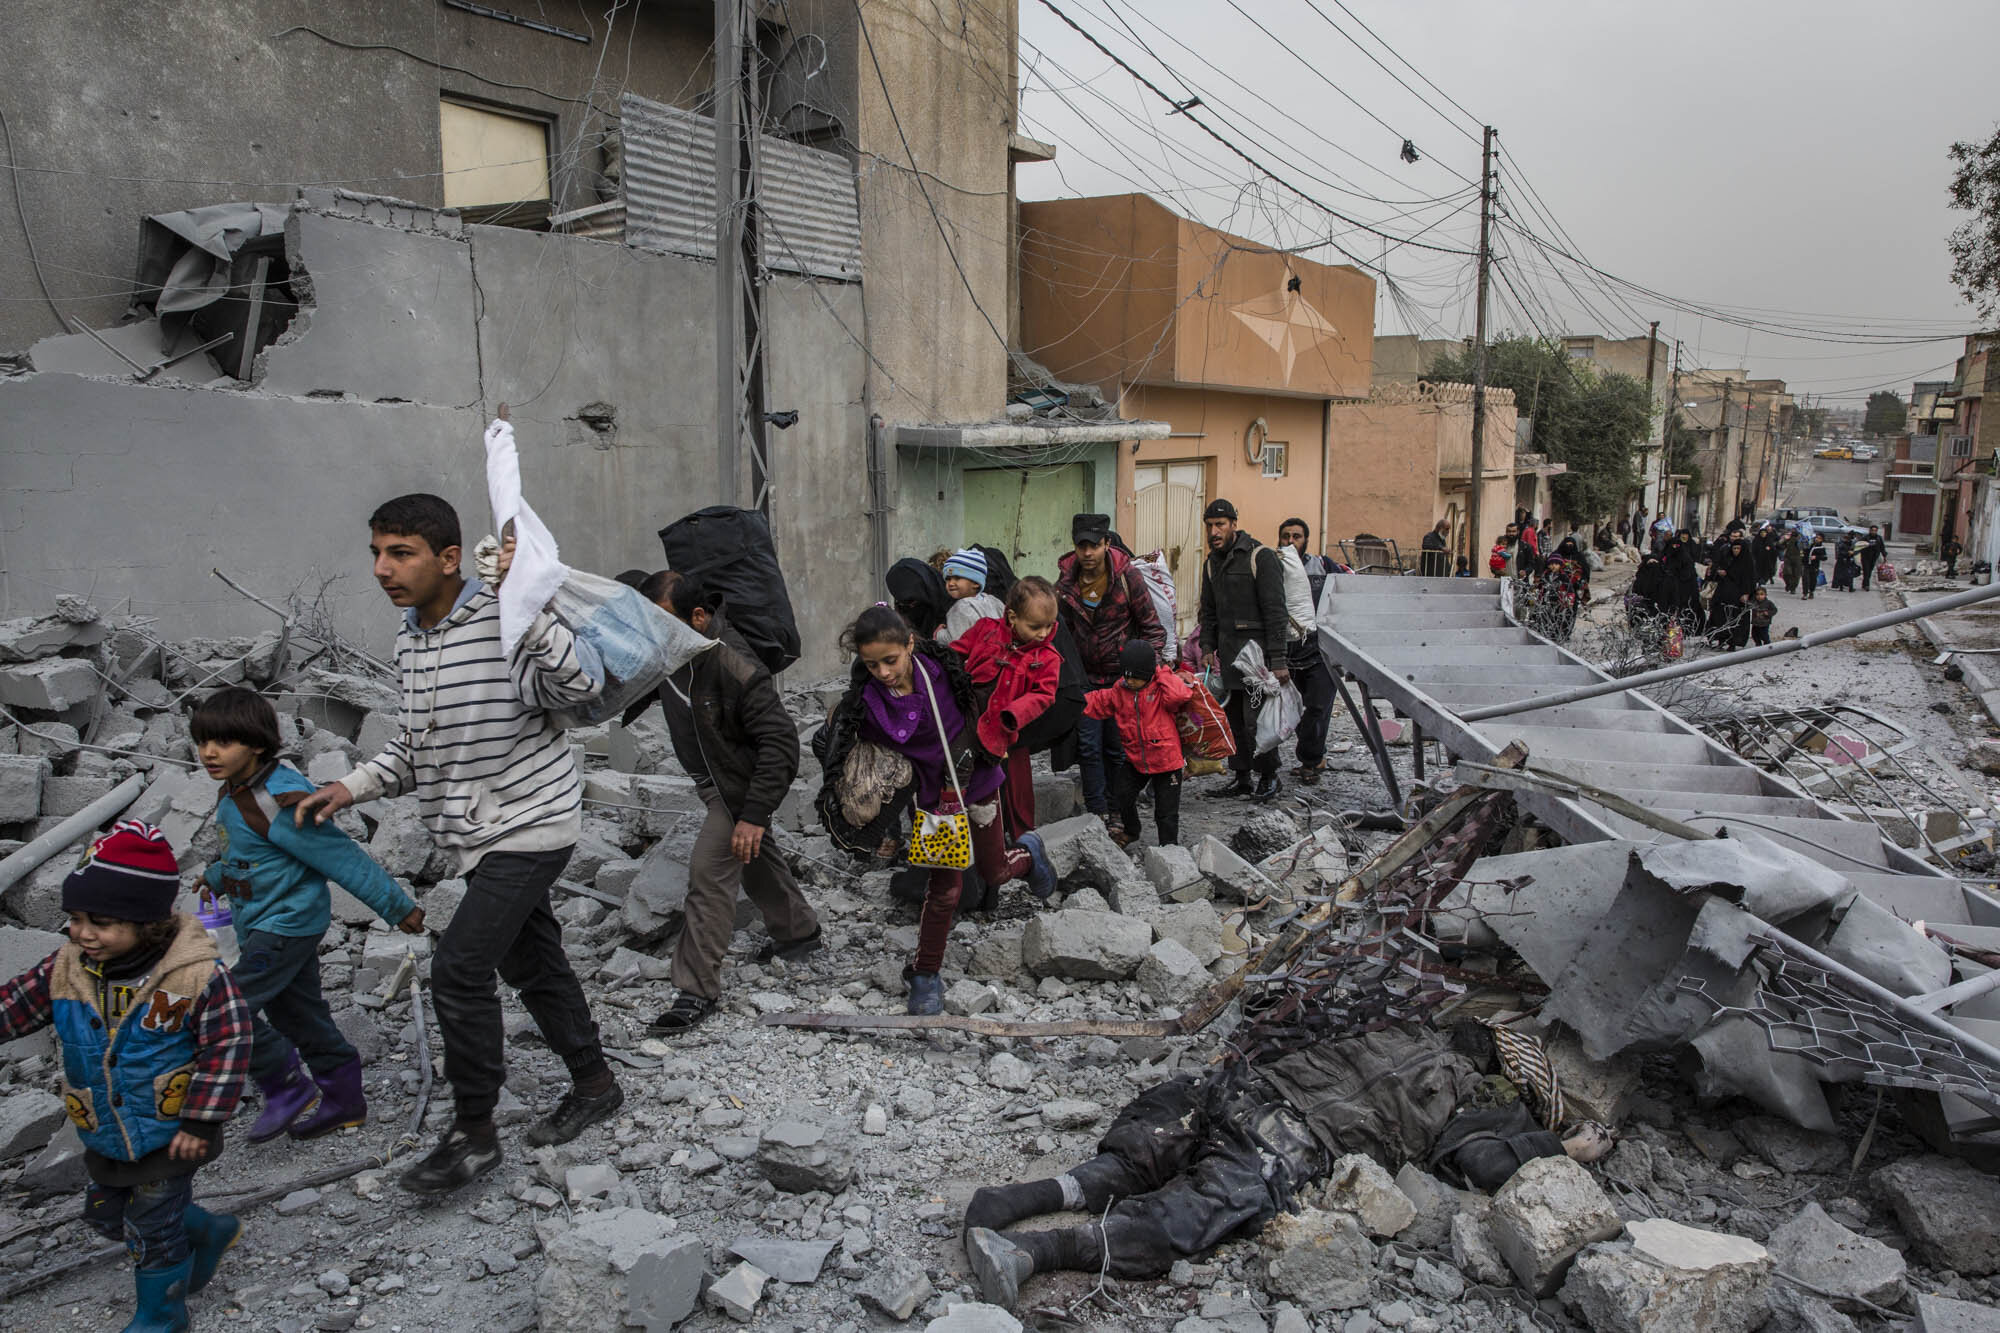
[(497, 786)]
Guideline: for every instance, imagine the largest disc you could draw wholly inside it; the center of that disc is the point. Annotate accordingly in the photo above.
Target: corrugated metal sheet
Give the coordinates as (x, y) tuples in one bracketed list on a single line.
[(812, 222)]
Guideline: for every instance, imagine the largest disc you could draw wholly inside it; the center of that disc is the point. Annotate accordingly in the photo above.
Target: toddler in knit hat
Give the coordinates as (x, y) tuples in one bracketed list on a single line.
[(155, 1042), (965, 579)]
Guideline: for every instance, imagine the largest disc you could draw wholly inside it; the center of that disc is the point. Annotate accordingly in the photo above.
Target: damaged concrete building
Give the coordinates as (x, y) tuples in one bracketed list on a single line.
[(452, 206)]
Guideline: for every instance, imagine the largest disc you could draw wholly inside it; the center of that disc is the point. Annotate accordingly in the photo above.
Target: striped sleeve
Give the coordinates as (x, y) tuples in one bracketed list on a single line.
[(549, 667)]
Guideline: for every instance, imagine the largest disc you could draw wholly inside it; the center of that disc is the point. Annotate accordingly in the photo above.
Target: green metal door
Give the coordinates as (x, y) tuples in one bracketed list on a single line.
[(1026, 513)]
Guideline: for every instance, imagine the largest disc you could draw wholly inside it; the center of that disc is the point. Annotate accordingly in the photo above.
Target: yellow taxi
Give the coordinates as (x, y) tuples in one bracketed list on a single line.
[(1838, 451)]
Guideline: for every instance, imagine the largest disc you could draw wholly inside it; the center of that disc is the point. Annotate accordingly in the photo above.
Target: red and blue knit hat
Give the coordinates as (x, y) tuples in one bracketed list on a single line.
[(129, 874)]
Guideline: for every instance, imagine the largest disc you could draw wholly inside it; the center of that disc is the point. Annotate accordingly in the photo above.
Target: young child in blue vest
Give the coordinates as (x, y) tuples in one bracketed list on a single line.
[(274, 871), (155, 1041)]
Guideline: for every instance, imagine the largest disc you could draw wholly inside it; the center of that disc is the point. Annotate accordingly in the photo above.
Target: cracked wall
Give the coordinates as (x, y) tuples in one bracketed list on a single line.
[(130, 494)]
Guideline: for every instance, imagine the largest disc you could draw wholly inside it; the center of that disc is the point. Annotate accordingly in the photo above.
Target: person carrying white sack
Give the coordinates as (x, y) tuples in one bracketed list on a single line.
[(490, 674)]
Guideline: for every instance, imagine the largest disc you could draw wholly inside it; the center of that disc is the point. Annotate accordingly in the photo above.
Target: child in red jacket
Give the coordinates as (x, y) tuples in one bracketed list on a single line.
[(1015, 661), (1144, 705)]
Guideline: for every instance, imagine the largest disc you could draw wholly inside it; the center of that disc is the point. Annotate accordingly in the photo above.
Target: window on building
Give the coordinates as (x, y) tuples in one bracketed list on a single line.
[(1961, 446), (1274, 458), (496, 163)]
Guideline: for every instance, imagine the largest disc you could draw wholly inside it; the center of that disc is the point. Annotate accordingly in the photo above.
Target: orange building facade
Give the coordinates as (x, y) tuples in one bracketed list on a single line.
[(1240, 348)]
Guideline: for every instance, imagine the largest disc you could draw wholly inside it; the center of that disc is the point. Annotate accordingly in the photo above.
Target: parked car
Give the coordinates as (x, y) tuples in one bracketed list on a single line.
[(1867, 453), (1839, 451)]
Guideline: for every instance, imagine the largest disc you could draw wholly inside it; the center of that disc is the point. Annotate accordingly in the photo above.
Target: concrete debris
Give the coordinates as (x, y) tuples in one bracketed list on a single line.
[(1542, 1217), (1666, 1277), (26, 1121), (1951, 1210), (1264, 833), (897, 1289), (1232, 876), (1322, 1260), (1853, 1271), (1171, 975), (1600, 1090), (1941, 1314), (794, 1261), (1796, 1311), (1358, 1185), (976, 1318), (801, 1155), (1170, 868), (1101, 946), (1435, 1204), (1789, 1148), (52, 685), (593, 1268), (737, 1292)]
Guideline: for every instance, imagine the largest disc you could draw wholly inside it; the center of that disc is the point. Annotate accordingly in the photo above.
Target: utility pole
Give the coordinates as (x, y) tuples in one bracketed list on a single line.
[(1472, 537), (739, 361), (1652, 391), (1668, 487)]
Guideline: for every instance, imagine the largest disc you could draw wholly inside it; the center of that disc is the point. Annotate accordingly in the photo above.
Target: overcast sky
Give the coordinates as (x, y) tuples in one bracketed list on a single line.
[(1783, 156)]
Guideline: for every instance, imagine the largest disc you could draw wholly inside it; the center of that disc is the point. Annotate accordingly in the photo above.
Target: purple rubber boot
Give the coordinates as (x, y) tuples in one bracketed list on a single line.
[(285, 1098), (341, 1103)]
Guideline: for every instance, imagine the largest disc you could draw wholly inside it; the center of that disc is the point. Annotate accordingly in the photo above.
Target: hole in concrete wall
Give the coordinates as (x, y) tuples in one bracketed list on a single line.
[(595, 424), (257, 308)]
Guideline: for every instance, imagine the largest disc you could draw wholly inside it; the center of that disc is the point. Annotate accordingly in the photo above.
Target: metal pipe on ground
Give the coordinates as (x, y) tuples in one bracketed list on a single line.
[(24, 861), (1886, 620)]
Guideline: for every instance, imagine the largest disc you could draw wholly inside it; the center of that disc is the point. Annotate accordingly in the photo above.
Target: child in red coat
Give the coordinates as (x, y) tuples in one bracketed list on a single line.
[(1015, 661), (1144, 704)]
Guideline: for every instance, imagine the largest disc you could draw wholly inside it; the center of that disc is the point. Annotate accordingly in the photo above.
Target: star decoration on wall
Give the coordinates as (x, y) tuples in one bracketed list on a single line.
[(1296, 329)]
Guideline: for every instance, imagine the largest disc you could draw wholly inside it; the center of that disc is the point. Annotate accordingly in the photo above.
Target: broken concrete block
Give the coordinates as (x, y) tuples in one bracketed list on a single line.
[(1098, 946), (1058, 796), (1940, 1314), (657, 894), (625, 962), (737, 1292), (1983, 756), (59, 1167), (593, 850), (793, 1261), (1359, 1185), (1070, 1113), (1321, 1260), (22, 777), (589, 1278), (592, 1180), (801, 1155), (1670, 1277), (1263, 833), (897, 1288), (62, 797), (1171, 975), (441, 902), (966, 997), (1194, 924), (1084, 856), (1795, 1311), (31, 638), (1855, 1271), (1010, 1073), (668, 805), (997, 956), (1233, 877), (27, 1119), (1788, 1147), (664, 1286), (1472, 1250), (1600, 1090), (975, 1318), (1542, 1217), (1950, 1209), (52, 685), (401, 844), (1170, 868), (643, 747), (1435, 1202)]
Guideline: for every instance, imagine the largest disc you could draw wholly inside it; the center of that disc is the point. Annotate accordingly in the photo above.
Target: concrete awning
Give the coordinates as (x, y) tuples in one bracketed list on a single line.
[(1463, 475), (1028, 434), (1020, 148)]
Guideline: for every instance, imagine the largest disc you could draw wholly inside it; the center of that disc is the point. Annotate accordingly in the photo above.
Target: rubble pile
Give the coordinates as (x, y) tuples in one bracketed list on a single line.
[(815, 1177)]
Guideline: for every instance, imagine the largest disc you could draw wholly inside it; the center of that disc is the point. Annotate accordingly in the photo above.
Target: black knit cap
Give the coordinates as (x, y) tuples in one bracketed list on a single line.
[(1136, 660), (1219, 509), (129, 874)]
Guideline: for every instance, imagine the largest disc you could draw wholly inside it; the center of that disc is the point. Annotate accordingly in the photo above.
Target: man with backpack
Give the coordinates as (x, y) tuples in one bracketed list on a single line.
[(1242, 602), (732, 734), (1103, 602)]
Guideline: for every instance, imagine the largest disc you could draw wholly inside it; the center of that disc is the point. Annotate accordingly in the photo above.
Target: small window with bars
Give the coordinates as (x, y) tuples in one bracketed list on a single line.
[(1274, 458), (1961, 446)]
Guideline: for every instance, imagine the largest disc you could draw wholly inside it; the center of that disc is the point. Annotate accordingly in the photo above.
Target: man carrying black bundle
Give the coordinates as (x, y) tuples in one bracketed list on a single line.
[(1242, 602), (733, 736)]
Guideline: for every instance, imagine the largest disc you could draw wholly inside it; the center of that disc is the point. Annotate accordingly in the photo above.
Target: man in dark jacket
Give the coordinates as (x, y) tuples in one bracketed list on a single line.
[(1869, 551), (1103, 602), (732, 734), (1309, 670), (1242, 601)]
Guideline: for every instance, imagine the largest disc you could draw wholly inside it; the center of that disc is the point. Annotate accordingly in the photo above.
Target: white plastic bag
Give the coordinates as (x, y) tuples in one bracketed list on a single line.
[(1298, 592), (622, 640), (1160, 587), (1277, 702)]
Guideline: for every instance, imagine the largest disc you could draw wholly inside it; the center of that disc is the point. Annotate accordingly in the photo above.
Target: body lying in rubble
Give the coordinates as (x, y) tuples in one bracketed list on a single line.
[(1202, 1159)]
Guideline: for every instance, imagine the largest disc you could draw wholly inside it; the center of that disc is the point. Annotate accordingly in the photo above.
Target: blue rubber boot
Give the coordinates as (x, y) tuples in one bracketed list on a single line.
[(162, 1305), (211, 1235), (1041, 875), (926, 993)]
